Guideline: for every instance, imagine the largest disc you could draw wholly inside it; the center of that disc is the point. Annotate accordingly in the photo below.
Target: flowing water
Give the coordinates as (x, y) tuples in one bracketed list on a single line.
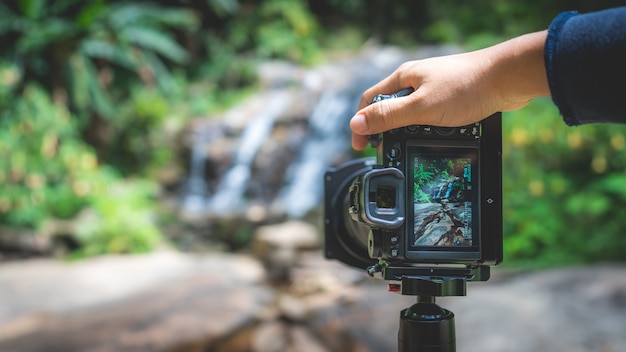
[(327, 124), (195, 197), (229, 193)]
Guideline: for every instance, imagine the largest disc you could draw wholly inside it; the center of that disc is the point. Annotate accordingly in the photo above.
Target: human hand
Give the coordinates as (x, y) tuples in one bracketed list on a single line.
[(455, 90)]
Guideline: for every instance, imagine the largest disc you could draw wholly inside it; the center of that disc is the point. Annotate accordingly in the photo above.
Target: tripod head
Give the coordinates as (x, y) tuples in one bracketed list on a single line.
[(425, 326)]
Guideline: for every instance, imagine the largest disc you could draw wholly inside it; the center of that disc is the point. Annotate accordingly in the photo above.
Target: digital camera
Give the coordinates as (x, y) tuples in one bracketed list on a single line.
[(432, 196)]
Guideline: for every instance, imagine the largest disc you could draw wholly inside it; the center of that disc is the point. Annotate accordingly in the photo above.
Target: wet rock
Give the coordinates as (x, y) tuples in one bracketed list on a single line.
[(278, 246), (15, 243), (272, 161), (149, 303), (271, 337), (277, 74), (303, 340), (55, 237)]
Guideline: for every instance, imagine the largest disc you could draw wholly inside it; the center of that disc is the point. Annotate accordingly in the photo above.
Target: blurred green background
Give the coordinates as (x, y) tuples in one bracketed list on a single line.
[(93, 94)]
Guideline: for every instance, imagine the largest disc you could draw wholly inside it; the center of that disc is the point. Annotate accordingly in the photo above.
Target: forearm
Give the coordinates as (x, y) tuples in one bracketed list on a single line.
[(517, 70)]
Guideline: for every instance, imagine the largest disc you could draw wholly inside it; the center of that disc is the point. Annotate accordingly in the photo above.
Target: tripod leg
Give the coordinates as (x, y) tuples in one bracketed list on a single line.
[(426, 327)]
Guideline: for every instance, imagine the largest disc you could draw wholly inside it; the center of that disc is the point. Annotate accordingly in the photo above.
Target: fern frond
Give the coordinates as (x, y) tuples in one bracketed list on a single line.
[(97, 95), (157, 41), (41, 35), (162, 75), (131, 14), (111, 52)]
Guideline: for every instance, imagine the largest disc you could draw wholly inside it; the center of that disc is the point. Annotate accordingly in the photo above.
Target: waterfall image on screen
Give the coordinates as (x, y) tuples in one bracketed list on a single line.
[(443, 194)]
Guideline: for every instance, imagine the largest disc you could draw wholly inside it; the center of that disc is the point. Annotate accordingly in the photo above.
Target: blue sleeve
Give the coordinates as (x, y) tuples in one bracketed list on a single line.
[(585, 58)]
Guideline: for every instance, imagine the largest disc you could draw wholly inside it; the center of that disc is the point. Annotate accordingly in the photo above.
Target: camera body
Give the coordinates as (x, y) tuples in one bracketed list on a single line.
[(434, 196)]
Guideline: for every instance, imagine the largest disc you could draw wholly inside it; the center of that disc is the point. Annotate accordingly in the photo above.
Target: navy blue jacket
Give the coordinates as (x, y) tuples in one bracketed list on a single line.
[(585, 58)]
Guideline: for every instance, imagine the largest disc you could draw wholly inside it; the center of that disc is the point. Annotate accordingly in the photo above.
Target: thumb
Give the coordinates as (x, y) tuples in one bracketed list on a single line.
[(383, 116)]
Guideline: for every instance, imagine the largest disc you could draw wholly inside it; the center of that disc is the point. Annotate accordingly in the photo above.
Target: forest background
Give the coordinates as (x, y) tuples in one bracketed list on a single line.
[(91, 93)]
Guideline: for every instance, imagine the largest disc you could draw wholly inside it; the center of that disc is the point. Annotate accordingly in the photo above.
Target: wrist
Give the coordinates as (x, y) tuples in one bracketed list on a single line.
[(519, 69)]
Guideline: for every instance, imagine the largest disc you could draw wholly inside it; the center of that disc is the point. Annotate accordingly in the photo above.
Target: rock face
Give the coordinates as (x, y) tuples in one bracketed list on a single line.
[(157, 302), (221, 302), (571, 309)]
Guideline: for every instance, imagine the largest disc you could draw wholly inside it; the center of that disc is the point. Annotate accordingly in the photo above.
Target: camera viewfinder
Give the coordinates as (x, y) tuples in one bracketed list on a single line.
[(385, 197)]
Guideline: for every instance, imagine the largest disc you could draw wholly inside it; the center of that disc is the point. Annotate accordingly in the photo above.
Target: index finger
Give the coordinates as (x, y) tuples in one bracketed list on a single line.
[(388, 85)]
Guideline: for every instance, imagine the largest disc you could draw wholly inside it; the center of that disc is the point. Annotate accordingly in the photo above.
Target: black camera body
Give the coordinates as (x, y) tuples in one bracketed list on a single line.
[(433, 196)]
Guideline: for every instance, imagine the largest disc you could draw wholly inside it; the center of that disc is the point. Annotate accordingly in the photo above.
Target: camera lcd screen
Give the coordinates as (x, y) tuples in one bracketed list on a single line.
[(445, 193)]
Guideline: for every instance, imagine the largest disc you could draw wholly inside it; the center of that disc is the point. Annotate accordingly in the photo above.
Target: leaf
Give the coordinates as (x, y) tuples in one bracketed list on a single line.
[(77, 82), (113, 53), (32, 9), (122, 15), (178, 18), (9, 20), (224, 7), (44, 34), (100, 100), (161, 73), (57, 7), (132, 14), (90, 13), (615, 184), (155, 40)]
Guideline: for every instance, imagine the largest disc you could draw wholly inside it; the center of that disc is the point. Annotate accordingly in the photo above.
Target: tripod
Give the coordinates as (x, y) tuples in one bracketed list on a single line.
[(425, 326)]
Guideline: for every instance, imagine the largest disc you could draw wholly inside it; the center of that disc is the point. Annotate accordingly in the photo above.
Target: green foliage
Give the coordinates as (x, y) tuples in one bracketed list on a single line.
[(563, 188), (123, 222), (462, 20), (92, 56), (44, 169), (47, 171), (137, 141), (69, 36), (407, 22), (287, 29), (443, 31), (9, 78), (459, 22), (283, 29), (421, 177)]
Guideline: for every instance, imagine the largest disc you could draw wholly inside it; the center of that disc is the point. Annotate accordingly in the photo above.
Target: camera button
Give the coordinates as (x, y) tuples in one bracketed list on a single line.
[(393, 240), (445, 131), (475, 131), (394, 153)]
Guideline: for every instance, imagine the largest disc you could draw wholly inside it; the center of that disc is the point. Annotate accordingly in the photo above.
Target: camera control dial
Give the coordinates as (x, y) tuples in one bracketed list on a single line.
[(394, 153)]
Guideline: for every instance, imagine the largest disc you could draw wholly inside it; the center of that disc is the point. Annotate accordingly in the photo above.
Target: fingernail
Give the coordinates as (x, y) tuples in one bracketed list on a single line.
[(358, 123)]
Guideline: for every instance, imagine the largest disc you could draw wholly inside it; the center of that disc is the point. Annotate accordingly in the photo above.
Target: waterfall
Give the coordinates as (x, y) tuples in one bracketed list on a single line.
[(195, 197), (327, 138), (228, 196)]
